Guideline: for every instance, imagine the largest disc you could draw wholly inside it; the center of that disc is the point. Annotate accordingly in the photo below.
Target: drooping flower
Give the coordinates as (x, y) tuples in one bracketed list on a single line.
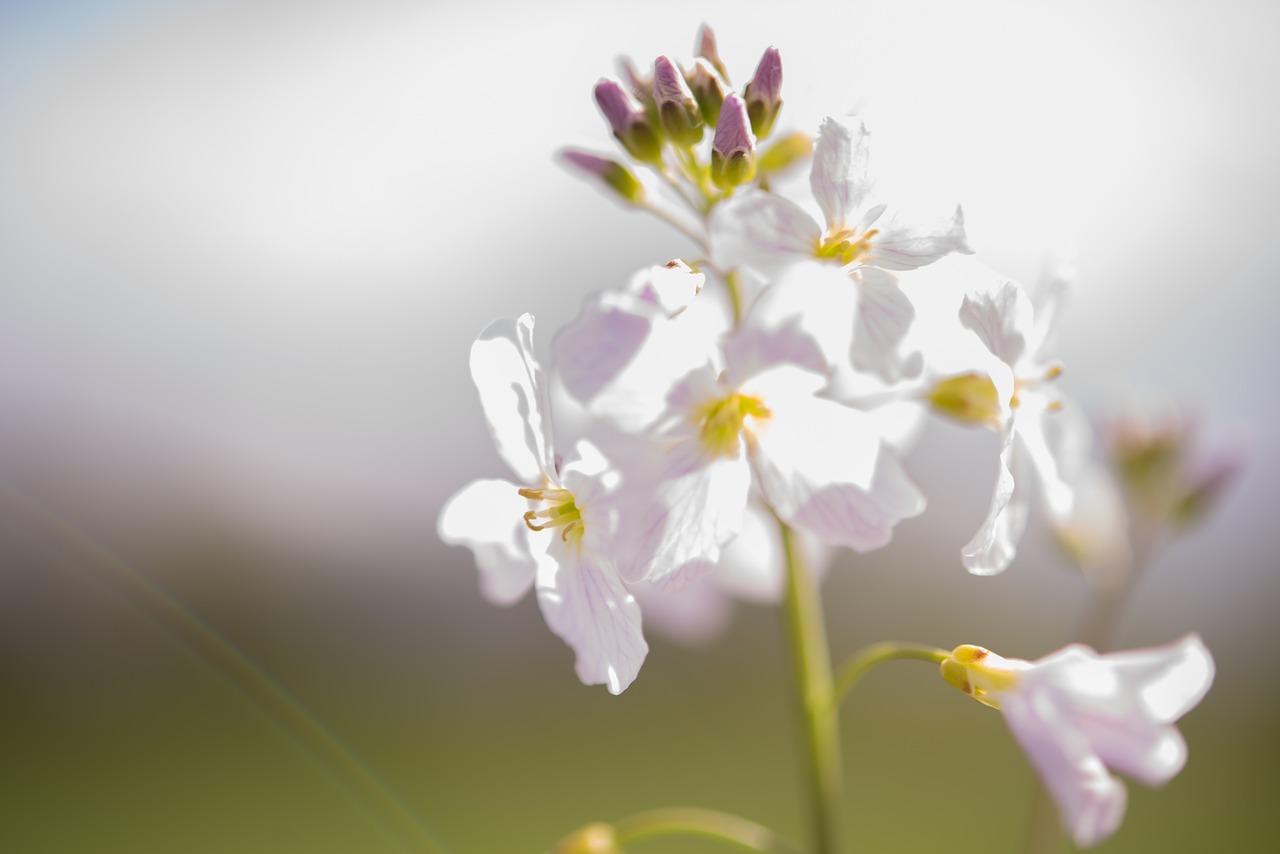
[(861, 236), (554, 529), (1077, 714)]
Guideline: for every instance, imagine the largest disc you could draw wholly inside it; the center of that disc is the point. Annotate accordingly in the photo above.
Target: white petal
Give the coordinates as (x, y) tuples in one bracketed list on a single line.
[(1058, 495), (805, 318), (689, 507), (904, 245), (514, 397), (1090, 801), (839, 176), (881, 324), (763, 231), (1170, 680), (486, 516), (695, 616), (993, 547), (823, 468), (752, 566), (670, 287), (622, 355), (1001, 316), (586, 604)]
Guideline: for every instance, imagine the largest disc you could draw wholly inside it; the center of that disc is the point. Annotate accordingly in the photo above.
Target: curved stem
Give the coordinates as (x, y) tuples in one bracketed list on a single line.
[(676, 821), (811, 659), (856, 666)]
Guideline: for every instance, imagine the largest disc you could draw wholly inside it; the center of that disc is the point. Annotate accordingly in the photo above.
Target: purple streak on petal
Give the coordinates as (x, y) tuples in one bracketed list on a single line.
[(733, 130)]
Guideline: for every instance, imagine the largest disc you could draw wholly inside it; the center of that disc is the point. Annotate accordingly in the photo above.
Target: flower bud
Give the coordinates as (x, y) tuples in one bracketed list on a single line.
[(733, 152), (763, 93), (970, 398), (708, 88), (628, 120), (981, 673), (708, 50), (616, 177), (678, 111), (792, 148), (593, 839)]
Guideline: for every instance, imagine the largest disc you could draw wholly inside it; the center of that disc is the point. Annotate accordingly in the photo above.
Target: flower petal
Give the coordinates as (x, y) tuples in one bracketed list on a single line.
[(1173, 678), (880, 325), (823, 468), (486, 516), (586, 605), (839, 177), (514, 397), (1090, 801), (1001, 316), (695, 616), (763, 231), (993, 547), (904, 245), (805, 319)]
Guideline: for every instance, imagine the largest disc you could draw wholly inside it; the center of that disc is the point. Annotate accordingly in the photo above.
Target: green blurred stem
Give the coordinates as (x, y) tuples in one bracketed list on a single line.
[(811, 660), (733, 283), (689, 821), (856, 667)]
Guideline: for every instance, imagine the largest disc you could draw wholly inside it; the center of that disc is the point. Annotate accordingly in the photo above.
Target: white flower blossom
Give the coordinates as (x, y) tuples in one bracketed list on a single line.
[(1078, 714), (552, 530)]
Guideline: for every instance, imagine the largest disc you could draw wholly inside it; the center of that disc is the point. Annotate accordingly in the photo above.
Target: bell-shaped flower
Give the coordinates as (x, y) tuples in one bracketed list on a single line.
[(1015, 400), (860, 235), (555, 528), (725, 417), (1078, 715)]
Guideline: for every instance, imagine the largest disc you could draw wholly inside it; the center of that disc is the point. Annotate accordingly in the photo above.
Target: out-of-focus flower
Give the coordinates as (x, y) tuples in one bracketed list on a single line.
[(555, 528), (1077, 714)]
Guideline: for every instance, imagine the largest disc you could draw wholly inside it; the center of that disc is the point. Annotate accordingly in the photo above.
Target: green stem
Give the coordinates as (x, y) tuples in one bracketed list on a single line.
[(856, 667), (675, 821), (733, 284), (806, 630)]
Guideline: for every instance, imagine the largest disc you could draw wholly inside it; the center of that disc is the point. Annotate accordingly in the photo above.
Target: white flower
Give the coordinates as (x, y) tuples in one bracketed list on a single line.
[(1077, 714), (723, 418), (771, 234), (1022, 411), (554, 528)]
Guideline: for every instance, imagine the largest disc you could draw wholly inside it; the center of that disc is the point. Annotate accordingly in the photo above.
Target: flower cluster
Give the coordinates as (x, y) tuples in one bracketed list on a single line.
[(766, 390)]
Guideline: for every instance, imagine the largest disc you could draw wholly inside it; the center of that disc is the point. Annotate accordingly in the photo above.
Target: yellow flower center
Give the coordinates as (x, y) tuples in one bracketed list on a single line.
[(557, 510), (971, 398), (845, 247), (721, 421)]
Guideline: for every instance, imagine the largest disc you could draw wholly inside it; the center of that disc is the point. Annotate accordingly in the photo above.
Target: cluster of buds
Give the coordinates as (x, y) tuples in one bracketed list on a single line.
[(660, 120)]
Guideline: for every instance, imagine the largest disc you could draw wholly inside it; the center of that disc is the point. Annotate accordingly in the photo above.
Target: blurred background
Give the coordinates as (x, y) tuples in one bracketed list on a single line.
[(244, 247)]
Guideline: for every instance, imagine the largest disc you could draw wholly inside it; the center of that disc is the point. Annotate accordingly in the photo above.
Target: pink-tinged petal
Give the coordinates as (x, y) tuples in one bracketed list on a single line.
[(622, 356), (839, 177), (586, 605), (1059, 497), (823, 468), (752, 567), (881, 324), (804, 319), (1001, 316), (616, 105), (671, 287), (1173, 678), (995, 544), (514, 397), (1090, 801), (763, 231), (903, 245), (1151, 755), (696, 616), (486, 516), (691, 507)]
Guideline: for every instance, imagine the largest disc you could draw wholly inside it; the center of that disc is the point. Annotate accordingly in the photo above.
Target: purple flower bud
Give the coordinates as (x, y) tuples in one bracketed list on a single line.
[(678, 111), (764, 93), (708, 89), (616, 104), (733, 151), (708, 50), (611, 173)]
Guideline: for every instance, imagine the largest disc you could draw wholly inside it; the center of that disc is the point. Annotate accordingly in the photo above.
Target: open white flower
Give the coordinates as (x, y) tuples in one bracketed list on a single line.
[(1077, 714), (554, 528), (861, 236), (723, 418)]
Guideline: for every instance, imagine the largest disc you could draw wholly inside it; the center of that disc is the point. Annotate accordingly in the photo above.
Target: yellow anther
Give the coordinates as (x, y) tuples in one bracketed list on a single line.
[(558, 510), (842, 248), (971, 398)]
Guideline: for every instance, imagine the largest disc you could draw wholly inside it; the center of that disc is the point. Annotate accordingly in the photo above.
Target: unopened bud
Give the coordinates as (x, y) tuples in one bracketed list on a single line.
[(763, 93), (611, 173), (678, 111), (970, 398), (628, 120), (593, 839), (708, 50), (981, 673), (708, 89), (792, 148), (733, 152), (641, 85)]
